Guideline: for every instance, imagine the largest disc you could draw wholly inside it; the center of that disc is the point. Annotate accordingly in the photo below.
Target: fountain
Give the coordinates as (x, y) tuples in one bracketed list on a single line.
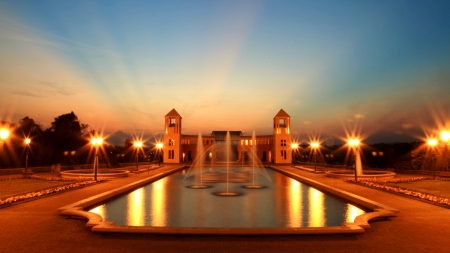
[(228, 193), (255, 160), (218, 174), (198, 163), (368, 174)]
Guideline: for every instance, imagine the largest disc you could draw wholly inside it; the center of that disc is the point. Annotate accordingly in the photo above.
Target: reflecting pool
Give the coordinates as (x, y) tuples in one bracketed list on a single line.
[(284, 202)]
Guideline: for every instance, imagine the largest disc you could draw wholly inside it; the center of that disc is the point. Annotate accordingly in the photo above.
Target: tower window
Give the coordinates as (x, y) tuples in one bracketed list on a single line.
[(171, 142), (283, 142), (172, 122), (282, 122)]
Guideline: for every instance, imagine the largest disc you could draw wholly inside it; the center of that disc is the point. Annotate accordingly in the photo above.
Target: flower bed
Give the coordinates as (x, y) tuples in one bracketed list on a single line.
[(42, 192), (381, 184)]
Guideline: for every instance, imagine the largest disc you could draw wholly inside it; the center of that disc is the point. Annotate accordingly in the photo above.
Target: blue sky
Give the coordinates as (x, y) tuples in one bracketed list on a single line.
[(229, 65)]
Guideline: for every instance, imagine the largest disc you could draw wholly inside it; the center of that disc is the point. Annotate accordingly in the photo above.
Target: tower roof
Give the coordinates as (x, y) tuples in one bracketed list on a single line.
[(282, 114), (173, 113)]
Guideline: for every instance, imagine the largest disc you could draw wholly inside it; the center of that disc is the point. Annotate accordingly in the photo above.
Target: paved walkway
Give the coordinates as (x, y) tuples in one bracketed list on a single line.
[(35, 226)]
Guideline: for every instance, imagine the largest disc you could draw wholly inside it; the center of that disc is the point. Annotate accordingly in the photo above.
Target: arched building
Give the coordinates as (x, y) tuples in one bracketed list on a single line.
[(274, 148)]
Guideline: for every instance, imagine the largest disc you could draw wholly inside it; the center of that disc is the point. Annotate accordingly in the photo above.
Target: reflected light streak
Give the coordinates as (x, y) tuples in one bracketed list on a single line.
[(316, 208), (295, 204), (352, 213), (158, 204), (136, 208), (100, 210)]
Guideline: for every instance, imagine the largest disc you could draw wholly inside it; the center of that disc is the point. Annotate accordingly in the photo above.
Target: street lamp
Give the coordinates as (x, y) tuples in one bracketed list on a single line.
[(354, 143), (445, 136), (315, 145), (27, 145), (432, 143), (159, 146), (4, 133), (137, 145), (294, 147), (96, 142)]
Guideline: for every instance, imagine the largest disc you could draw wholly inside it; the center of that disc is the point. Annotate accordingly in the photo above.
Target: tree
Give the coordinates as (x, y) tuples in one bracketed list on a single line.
[(66, 134), (28, 128)]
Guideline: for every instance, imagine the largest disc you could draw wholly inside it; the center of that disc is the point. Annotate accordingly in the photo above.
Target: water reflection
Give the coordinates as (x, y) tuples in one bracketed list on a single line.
[(284, 202), (136, 212), (316, 208), (352, 213), (295, 206), (157, 204), (100, 210)]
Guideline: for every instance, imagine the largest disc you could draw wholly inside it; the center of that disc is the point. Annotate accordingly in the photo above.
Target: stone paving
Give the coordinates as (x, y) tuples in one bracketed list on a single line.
[(35, 226)]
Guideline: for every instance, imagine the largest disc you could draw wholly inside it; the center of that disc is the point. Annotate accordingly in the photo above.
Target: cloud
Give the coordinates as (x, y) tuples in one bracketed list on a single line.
[(44, 89), (407, 125)]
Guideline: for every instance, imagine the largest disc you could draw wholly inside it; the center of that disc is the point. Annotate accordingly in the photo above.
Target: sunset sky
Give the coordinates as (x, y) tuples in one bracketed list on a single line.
[(229, 65)]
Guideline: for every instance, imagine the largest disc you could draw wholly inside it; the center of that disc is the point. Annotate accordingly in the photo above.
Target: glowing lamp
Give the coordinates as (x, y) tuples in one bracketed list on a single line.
[(96, 141), (445, 136), (353, 142), (138, 144), (432, 142), (4, 133), (315, 144)]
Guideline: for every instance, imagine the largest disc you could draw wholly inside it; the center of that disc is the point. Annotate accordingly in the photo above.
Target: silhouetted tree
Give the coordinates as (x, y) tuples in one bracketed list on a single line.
[(66, 135)]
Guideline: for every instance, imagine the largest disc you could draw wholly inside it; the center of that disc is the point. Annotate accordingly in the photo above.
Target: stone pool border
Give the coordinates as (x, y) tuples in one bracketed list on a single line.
[(96, 223)]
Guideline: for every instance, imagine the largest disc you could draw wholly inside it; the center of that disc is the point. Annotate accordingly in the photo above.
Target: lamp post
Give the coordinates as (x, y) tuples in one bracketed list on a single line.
[(315, 145), (294, 147), (137, 145), (4, 133), (354, 143), (159, 146), (96, 142), (27, 145), (445, 136), (432, 143)]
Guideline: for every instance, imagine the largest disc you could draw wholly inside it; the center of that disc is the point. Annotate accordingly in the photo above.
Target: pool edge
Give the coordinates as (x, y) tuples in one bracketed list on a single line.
[(361, 222)]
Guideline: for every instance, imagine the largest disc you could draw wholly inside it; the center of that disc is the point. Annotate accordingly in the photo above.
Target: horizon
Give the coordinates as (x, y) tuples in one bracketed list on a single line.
[(378, 68)]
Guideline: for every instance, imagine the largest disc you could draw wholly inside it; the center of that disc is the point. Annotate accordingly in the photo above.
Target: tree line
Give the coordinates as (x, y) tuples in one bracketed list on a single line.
[(65, 142)]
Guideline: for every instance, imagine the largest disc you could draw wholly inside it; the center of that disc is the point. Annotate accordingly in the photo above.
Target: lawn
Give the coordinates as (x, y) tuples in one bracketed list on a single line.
[(435, 187), (15, 187)]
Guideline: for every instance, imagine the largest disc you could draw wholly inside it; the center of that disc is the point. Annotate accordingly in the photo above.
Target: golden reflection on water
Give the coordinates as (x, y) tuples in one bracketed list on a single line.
[(352, 213), (136, 207), (100, 210), (295, 206), (158, 203), (316, 208)]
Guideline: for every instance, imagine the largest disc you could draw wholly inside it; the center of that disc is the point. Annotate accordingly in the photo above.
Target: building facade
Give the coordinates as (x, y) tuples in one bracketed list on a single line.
[(274, 148)]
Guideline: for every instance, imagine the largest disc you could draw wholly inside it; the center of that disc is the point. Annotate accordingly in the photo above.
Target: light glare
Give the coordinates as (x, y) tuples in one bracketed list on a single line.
[(4, 133), (432, 142), (445, 136)]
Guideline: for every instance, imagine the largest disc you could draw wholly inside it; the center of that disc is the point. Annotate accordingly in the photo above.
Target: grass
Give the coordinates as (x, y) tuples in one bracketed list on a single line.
[(15, 187), (435, 187)]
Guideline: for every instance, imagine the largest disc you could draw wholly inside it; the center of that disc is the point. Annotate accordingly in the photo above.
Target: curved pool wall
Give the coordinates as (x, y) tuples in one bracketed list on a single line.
[(367, 175), (97, 224), (101, 173)]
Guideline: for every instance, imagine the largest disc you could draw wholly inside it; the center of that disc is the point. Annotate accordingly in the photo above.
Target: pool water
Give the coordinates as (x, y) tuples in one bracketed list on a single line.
[(284, 202)]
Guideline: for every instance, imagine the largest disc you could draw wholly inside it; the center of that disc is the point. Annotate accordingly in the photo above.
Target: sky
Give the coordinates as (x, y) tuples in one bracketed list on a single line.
[(381, 67)]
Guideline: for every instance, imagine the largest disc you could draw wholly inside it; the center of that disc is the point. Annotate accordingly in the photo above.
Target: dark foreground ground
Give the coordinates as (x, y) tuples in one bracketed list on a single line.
[(35, 226)]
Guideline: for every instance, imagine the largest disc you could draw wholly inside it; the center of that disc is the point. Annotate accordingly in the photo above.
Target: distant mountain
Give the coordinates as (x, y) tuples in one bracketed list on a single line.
[(118, 138)]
